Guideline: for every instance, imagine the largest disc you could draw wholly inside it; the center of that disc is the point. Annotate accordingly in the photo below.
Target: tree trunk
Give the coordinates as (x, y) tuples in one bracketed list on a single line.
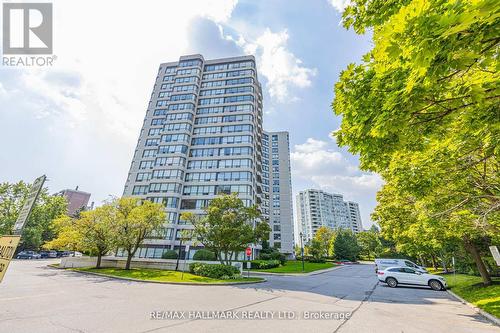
[(472, 249), (99, 256), (434, 263), (130, 255), (179, 255), (443, 262)]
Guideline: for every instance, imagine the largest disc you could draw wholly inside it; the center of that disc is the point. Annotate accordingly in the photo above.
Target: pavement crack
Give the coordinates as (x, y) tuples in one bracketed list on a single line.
[(66, 327), (367, 297)]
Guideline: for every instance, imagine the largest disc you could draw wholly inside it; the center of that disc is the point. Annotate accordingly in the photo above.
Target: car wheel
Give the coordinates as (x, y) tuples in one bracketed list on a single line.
[(391, 282), (436, 285)]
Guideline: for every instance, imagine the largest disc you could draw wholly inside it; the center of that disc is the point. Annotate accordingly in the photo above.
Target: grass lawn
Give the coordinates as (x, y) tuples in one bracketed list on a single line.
[(161, 275), (469, 287), (296, 267)]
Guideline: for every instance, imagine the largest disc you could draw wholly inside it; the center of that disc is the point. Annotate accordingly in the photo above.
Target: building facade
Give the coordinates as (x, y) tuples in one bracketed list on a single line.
[(77, 200), (277, 190), (201, 137), (316, 208)]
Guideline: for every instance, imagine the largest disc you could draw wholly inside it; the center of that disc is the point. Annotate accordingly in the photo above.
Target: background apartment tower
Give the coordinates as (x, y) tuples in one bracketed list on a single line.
[(201, 137), (316, 208), (77, 200), (277, 190)]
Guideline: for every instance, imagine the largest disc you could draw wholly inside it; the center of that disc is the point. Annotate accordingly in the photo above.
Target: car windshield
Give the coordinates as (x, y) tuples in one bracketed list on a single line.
[(409, 264)]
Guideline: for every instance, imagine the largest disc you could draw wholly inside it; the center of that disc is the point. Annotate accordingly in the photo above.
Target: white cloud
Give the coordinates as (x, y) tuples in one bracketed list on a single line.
[(310, 146), (282, 69), (81, 118), (339, 5)]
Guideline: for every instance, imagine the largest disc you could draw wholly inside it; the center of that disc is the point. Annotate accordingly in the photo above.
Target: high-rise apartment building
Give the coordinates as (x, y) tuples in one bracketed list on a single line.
[(201, 137), (316, 208), (277, 189)]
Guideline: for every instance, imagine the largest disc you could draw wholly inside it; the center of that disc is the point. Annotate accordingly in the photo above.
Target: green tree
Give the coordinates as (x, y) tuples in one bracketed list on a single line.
[(422, 110), (369, 243), (67, 236), (98, 231), (228, 227), (316, 250), (135, 220), (346, 245), (37, 229), (94, 231), (324, 236)]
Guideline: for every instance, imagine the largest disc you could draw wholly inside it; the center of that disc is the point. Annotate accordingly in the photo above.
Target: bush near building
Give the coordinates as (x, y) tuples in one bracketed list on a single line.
[(271, 253), (214, 271), (204, 255), (169, 254), (264, 264)]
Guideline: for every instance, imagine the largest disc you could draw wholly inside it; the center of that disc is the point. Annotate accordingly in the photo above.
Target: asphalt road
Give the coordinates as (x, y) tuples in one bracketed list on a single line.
[(35, 298)]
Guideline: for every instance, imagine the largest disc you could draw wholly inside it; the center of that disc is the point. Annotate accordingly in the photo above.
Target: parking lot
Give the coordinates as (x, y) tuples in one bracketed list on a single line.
[(36, 298)]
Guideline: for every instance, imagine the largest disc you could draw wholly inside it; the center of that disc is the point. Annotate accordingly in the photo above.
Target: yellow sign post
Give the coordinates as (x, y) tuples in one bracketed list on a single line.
[(8, 245)]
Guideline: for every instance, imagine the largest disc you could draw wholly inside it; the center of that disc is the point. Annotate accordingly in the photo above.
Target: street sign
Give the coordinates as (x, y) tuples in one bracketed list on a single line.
[(249, 252), (28, 204), (495, 254), (8, 245)]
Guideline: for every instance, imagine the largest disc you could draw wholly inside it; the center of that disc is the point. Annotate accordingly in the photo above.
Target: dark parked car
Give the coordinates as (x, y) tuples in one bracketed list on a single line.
[(62, 254), (48, 254), (28, 255)]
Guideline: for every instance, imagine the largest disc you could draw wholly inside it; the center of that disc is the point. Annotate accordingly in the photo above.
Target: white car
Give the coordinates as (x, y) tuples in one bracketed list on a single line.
[(381, 264), (394, 276)]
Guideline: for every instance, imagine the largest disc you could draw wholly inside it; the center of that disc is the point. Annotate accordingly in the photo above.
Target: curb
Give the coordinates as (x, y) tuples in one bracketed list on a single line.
[(485, 314), (159, 282), (297, 274)]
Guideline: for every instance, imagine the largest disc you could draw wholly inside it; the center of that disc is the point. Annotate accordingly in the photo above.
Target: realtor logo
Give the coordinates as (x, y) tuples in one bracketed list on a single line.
[(27, 28)]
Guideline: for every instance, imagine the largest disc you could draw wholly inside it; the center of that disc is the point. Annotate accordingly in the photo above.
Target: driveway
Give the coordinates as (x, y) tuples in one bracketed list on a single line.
[(35, 298)]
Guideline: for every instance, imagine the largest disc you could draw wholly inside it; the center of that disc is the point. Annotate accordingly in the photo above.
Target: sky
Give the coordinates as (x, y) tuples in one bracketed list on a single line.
[(78, 121)]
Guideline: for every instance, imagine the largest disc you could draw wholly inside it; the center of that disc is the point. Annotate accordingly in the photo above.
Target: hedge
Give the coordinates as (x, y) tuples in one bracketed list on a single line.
[(204, 255), (264, 264), (214, 271), (275, 255), (169, 254)]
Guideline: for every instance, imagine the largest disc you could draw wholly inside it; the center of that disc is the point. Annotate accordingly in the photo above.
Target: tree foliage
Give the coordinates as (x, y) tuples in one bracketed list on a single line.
[(93, 231), (228, 227), (37, 229), (345, 245), (324, 237), (135, 220), (369, 243), (423, 111)]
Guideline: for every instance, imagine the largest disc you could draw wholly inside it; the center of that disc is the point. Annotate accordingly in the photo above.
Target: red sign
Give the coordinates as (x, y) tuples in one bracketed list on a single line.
[(249, 251)]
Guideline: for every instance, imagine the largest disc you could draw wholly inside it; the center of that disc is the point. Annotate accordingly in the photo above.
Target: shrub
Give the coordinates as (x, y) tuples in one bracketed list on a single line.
[(214, 271), (317, 260), (264, 256), (204, 255), (278, 256), (268, 253), (264, 264), (170, 254)]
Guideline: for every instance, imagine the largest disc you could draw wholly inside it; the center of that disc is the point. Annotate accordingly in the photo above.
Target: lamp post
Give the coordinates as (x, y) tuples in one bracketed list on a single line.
[(302, 250)]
